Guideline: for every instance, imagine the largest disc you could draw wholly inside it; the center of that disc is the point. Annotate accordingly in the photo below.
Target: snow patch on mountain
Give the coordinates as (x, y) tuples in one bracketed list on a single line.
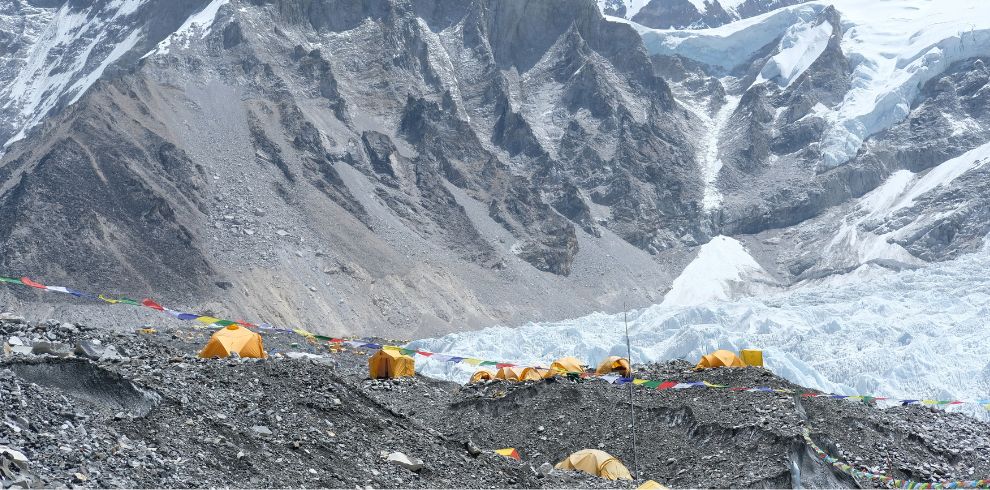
[(708, 150), (632, 6), (898, 192), (63, 59), (722, 270), (893, 47), (801, 45), (197, 26), (911, 334)]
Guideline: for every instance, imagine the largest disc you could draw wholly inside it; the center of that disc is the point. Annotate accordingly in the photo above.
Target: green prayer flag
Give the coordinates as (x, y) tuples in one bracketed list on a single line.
[(488, 363), (652, 384), (224, 323), (407, 352), (10, 280)]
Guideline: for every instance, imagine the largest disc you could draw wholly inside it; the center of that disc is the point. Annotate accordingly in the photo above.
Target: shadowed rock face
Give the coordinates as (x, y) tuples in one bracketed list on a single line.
[(683, 14)]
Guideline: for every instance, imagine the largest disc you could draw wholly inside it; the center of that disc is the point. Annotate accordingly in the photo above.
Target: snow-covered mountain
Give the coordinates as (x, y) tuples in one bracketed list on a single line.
[(843, 146), (434, 165)]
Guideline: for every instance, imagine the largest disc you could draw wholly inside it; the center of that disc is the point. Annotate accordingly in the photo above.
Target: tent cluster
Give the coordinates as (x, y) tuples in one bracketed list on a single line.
[(564, 365)]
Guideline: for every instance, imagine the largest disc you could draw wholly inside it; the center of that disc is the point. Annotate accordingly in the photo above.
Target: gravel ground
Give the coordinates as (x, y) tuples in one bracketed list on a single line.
[(148, 413)]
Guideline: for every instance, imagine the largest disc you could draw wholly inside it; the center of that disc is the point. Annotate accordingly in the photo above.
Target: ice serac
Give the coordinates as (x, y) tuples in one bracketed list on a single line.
[(927, 325)]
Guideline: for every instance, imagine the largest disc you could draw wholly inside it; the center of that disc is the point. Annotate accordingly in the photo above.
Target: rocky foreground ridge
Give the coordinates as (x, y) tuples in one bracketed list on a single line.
[(87, 407)]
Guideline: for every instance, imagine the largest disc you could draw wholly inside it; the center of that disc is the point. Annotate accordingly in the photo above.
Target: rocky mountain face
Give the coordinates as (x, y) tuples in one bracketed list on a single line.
[(689, 14), (439, 165)]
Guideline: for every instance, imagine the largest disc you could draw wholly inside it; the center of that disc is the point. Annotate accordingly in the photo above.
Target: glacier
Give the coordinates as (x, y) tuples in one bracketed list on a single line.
[(911, 334), (894, 48)]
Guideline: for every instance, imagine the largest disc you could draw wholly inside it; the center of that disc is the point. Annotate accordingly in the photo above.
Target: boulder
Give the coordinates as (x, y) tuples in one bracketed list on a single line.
[(261, 431), (407, 462), (56, 349), (88, 349), (12, 318)]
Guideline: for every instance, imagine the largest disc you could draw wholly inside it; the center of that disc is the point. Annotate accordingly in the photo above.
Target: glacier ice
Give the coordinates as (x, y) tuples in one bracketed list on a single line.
[(912, 334)]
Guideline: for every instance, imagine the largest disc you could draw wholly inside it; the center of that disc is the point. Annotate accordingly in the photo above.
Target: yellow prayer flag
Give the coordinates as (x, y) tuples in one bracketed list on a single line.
[(472, 361), (208, 320), (639, 381)]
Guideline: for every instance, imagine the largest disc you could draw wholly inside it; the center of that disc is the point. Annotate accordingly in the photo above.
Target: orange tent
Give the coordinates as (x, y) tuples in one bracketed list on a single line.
[(720, 358), (482, 375), (517, 373), (388, 363), (234, 339), (566, 365), (615, 364), (530, 372)]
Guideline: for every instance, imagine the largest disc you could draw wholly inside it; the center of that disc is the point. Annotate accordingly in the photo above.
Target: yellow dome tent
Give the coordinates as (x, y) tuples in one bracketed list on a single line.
[(566, 365), (482, 375), (614, 364), (651, 485), (391, 364), (234, 339), (595, 462), (517, 373), (720, 358)]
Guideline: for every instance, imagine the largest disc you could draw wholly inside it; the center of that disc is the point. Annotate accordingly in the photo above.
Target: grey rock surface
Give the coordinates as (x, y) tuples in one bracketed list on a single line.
[(166, 419)]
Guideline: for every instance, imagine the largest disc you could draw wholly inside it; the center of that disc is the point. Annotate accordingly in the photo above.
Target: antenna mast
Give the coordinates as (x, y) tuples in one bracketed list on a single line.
[(632, 408)]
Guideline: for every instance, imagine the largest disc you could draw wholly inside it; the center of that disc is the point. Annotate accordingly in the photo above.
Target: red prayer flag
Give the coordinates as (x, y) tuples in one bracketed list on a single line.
[(28, 282), (424, 353), (151, 304), (808, 395), (666, 385), (504, 364)]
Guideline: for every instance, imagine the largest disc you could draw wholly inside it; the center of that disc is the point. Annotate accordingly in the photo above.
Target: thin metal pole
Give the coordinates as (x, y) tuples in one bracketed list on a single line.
[(632, 408)]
